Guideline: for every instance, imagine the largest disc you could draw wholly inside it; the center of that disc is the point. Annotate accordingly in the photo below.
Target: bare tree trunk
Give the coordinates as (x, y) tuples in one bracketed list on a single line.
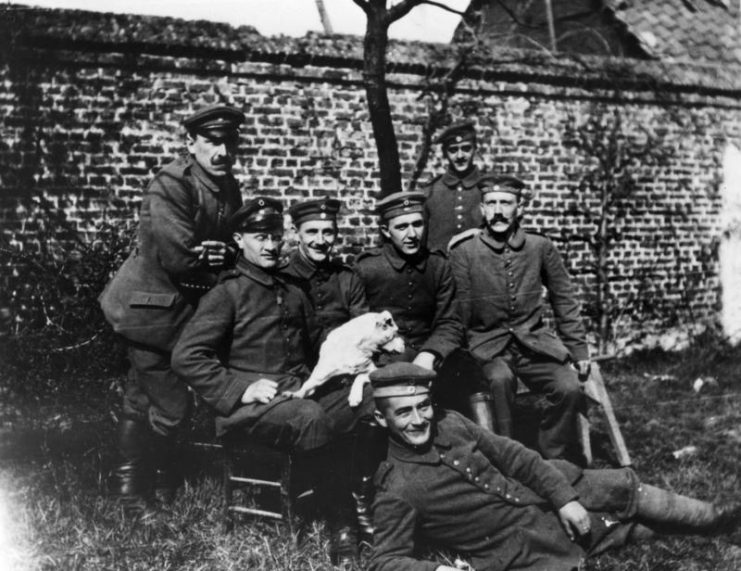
[(374, 80), (324, 17)]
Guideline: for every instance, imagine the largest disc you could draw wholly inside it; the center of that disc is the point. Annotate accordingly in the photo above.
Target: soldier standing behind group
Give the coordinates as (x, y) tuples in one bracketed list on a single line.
[(181, 247), (452, 204)]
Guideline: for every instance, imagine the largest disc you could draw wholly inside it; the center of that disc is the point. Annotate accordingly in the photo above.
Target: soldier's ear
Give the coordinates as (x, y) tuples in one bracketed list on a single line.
[(385, 231), (237, 238), (380, 419)]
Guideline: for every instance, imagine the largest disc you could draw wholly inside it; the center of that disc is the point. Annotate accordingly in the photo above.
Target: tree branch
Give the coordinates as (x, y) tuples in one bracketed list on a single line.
[(401, 9), (443, 7), (363, 5)]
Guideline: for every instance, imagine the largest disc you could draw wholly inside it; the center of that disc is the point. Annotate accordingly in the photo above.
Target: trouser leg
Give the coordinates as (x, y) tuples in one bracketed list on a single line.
[(462, 386), (158, 401), (667, 512), (558, 435), (503, 388)]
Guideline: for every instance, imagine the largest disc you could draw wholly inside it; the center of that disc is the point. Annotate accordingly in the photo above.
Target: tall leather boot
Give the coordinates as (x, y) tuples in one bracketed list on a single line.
[(167, 477), (369, 450), (132, 478), (481, 410), (670, 512)]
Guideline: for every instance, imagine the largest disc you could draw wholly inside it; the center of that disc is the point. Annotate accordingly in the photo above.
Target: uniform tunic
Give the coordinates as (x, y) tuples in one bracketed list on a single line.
[(336, 291), (156, 289), (254, 325), (500, 295), (500, 290), (418, 293), (493, 501), (452, 206)]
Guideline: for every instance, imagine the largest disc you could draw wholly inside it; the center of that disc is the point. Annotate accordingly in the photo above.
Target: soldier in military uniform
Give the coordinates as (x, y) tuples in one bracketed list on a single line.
[(500, 274), (335, 290), (253, 340), (452, 204), (181, 247), (416, 285), (448, 484)]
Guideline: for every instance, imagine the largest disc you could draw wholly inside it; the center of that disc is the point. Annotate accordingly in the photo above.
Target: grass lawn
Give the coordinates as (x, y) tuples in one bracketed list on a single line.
[(57, 451)]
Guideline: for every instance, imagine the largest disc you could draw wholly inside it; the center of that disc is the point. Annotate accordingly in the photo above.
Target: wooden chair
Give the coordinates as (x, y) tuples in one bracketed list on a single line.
[(248, 464), (597, 396)]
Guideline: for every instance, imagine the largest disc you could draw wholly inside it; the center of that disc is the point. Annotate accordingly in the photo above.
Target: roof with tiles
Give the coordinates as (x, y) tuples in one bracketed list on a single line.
[(684, 30), (52, 31)]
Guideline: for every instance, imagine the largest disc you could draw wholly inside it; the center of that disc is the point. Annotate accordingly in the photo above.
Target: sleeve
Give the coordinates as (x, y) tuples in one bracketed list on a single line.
[(524, 465), (447, 329), (565, 307), (395, 524), (459, 265), (356, 301), (196, 359), (174, 226)]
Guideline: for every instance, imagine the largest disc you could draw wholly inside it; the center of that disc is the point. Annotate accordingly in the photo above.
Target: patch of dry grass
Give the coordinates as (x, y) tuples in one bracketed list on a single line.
[(55, 512)]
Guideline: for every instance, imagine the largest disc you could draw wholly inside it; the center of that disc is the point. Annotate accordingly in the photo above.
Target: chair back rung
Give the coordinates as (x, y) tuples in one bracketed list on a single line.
[(256, 512), (255, 482)]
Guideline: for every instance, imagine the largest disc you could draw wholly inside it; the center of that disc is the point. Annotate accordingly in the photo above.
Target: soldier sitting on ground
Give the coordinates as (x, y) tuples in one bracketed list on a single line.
[(449, 484)]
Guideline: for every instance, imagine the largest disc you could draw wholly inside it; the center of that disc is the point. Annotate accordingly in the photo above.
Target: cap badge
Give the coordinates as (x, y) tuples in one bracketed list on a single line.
[(406, 202), (324, 215), (261, 203)]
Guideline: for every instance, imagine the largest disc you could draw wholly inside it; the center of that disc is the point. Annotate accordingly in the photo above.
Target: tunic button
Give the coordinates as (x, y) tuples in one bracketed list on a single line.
[(511, 284), (476, 479), (510, 330), (455, 462), (442, 455), (508, 496), (486, 486), (460, 216), (410, 296), (514, 297), (468, 469)]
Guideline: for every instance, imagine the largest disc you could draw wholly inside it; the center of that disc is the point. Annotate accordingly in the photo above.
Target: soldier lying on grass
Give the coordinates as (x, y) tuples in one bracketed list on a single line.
[(448, 483)]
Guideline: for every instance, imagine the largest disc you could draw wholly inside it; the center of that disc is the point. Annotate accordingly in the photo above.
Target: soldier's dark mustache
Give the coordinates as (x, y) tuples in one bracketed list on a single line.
[(498, 218)]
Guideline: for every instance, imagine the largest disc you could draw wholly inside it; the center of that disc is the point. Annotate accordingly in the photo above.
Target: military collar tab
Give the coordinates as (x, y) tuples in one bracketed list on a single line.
[(398, 262), (254, 272), (469, 181), (515, 241), (204, 177)]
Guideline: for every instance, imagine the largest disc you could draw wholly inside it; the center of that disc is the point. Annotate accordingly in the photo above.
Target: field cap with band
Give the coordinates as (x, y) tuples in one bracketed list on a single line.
[(500, 183), (457, 133), (259, 214), (400, 203), (322, 209), (214, 120), (401, 380)]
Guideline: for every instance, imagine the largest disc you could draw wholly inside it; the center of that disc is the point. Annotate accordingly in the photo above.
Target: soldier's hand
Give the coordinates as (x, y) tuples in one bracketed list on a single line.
[(425, 360), (574, 518), (262, 391), (582, 370), (212, 252)]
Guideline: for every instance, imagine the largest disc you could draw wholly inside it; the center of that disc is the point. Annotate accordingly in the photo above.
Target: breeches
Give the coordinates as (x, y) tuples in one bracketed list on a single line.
[(154, 392)]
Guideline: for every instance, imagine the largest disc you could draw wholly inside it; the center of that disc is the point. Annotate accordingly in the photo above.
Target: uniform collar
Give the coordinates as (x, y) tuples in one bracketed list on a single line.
[(429, 455), (450, 179), (398, 262), (207, 180), (515, 241), (302, 266), (255, 273)]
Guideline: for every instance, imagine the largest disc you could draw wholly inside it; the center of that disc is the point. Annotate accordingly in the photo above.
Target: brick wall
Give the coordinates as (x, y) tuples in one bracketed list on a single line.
[(87, 119)]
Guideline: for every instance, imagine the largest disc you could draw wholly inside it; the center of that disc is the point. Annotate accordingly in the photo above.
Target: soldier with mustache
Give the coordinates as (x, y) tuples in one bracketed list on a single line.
[(500, 274), (183, 243)]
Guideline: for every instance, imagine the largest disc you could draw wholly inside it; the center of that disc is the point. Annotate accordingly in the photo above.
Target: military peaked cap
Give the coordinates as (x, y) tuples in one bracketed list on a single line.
[(259, 214), (322, 209), (400, 203), (401, 380), (500, 183), (214, 118), (457, 133)]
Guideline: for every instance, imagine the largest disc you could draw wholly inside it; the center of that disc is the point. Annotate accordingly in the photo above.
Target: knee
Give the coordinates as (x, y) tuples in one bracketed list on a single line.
[(312, 427), (566, 387), (499, 375)]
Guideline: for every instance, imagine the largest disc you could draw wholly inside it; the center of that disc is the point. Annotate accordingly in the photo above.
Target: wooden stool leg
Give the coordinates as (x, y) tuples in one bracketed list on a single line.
[(286, 496), (228, 490), (613, 428), (584, 438)]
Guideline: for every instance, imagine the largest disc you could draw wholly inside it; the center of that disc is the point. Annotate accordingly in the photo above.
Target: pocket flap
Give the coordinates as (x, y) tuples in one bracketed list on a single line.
[(142, 298)]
